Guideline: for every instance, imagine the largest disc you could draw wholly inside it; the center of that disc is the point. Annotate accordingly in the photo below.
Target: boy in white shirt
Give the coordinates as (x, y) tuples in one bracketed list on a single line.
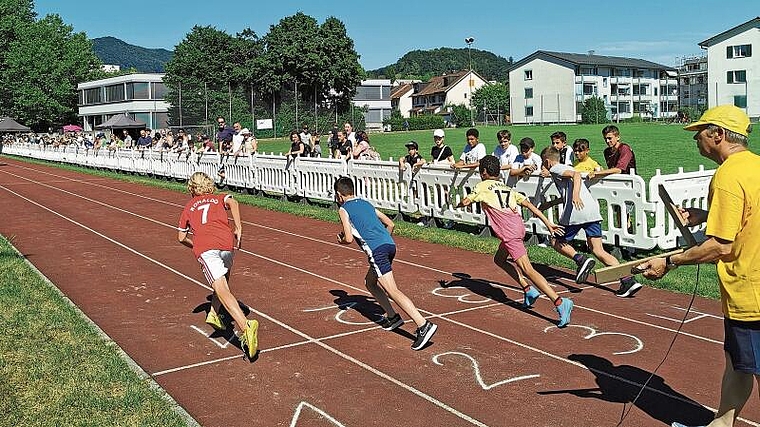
[(581, 212), (472, 152), (505, 151)]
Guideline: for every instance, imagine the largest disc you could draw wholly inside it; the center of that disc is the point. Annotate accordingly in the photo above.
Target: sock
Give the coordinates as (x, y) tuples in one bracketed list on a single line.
[(526, 288), (579, 258), (626, 280), (558, 302)]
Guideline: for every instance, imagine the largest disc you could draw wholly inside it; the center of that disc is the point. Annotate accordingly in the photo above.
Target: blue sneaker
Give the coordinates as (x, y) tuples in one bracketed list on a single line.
[(531, 295), (564, 310), (675, 424)]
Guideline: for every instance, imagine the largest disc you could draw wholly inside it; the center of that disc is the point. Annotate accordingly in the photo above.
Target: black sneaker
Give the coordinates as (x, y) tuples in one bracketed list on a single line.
[(584, 269), (391, 323), (628, 288), (424, 333)]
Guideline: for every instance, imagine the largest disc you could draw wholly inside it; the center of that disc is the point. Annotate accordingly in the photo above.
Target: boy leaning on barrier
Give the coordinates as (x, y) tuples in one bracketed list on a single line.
[(581, 212), (412, 158), (500, 203)]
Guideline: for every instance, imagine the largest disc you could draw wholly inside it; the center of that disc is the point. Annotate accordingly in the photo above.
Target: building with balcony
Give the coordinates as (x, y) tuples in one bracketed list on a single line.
[(551, 87), (139, 95), (692, 82), (733, 70)]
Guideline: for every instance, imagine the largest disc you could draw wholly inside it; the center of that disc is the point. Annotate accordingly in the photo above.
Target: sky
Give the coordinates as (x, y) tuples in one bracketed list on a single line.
[(383, 31)]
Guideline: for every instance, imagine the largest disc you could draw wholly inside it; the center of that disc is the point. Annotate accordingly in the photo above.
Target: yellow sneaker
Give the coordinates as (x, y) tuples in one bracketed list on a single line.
[(215, 322), (249, 341)]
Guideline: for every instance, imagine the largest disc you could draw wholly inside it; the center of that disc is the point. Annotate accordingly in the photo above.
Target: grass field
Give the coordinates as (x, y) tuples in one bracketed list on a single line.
[(55, 369), (657, 146)]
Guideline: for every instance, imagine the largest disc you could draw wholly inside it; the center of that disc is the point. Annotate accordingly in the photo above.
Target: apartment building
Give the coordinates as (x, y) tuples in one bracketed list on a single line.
[(550, 87), (733, 70), (692, 81)]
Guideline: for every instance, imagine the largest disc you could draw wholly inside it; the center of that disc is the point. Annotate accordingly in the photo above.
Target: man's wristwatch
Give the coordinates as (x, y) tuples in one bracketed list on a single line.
[(669, 264)]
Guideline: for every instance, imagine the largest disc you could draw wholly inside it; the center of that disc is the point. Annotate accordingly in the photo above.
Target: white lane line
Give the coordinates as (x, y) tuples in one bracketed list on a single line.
[(309, 338)]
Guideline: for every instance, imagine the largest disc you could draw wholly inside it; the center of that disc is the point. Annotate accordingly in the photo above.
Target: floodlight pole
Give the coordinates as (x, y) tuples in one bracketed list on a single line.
[(469, 41)]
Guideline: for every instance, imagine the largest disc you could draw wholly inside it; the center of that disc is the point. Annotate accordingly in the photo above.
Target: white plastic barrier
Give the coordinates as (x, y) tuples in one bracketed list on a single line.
[(378, 182), (275, 173), (429, 191), (686, 189), (317, 176), (438, 190)]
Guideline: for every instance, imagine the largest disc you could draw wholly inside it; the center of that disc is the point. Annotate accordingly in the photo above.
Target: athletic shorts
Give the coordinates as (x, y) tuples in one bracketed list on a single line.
[(381, 258), (592, 229), (514, 247), (215, 264), (742, 344)]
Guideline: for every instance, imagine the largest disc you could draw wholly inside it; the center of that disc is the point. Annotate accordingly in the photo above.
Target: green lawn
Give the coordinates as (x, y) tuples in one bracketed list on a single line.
[(657, 146)]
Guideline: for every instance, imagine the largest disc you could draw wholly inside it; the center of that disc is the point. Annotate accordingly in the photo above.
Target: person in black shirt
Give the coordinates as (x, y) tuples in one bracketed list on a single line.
[(413, 158), (441, 153)]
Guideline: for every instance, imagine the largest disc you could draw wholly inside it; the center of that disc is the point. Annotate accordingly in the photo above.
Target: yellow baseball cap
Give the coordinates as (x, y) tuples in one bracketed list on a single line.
[(726, 116)]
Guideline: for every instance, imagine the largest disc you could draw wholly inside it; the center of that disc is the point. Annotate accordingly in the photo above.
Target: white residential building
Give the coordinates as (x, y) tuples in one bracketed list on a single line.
[(550, 87), (733, 70), (139, 95), (449, 89), (401, 98)]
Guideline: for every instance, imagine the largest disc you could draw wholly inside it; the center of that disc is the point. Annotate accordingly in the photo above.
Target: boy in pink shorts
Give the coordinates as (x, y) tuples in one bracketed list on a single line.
[(500, 203)]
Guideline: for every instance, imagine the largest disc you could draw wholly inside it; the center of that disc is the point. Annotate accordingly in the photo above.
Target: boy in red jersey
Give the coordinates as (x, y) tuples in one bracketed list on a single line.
[(205, 215)]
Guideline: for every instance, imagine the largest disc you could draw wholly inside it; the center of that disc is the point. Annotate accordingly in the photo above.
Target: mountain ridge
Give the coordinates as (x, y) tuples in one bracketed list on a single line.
[(114, 51)]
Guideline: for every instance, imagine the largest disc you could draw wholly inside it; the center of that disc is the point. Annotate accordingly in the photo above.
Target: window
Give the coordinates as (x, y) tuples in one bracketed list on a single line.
[(740, 101), (528, 111), (589, 89), (736, 76), (588, 71), (93, 96), (528, 74), (137, 90), (528, 93), (159, 90), (740, 51), (115, 93)]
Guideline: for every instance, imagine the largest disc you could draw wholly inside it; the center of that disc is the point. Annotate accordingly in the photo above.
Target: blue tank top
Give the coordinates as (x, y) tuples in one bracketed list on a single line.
[(366, 226)]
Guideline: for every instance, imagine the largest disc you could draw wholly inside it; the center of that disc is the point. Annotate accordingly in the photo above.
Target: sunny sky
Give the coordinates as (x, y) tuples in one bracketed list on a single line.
[(383, 31)]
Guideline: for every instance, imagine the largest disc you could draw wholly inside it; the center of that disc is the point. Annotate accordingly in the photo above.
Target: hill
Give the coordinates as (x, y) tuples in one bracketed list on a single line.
[(423, 64), (111, 50)]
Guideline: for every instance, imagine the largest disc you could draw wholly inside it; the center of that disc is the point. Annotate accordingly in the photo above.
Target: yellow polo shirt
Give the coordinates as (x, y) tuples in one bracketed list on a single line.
[(734, 215)]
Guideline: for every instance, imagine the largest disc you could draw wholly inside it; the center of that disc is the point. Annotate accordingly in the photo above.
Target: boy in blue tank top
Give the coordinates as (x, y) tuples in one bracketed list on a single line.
[(372, 231)]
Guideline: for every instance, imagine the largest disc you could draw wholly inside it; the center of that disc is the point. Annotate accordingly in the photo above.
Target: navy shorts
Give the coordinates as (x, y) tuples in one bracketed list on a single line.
[(381, 258), (592, 229), (742, 344)]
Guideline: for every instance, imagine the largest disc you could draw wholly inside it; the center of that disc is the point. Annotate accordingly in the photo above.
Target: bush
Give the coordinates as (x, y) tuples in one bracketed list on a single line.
[(594, 111), (426, 121)]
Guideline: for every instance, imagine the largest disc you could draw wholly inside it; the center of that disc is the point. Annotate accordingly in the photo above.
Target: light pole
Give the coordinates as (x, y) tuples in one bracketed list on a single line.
[(469, 41)]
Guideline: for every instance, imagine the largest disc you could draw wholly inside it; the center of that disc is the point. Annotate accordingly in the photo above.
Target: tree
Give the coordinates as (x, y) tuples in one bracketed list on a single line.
[(491, 98), (14, 15), (594, 111), (44, 64)]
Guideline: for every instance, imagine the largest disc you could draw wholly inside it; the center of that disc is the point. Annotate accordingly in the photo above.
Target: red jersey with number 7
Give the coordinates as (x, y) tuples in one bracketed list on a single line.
[(206, 217)]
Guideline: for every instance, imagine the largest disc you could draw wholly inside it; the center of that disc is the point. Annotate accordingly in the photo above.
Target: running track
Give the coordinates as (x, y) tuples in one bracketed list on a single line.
[(110, 246)]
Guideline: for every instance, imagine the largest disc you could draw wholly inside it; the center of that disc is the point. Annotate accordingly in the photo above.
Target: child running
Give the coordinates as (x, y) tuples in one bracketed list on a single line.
[(372, 231), (500, 204), (213, 244), (581, 212)]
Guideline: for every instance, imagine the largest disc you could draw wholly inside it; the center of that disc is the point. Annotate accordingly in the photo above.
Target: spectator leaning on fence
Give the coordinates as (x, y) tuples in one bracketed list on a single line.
[(505, 151), (620, 159), (733, 225), (584, 162), (473, 151), (224, 134), (441, 154), (412, 158)]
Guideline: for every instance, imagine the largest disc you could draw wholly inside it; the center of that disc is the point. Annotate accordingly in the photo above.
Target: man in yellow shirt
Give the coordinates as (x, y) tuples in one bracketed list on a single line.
[(733, 228)]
